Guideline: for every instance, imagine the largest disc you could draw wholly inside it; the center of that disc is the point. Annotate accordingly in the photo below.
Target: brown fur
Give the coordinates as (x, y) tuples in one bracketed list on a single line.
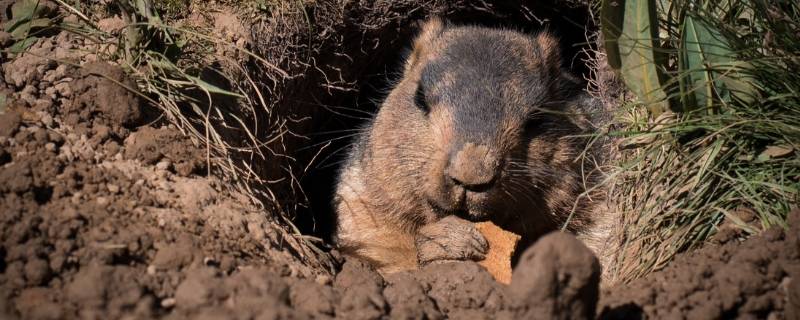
[(494, 140)]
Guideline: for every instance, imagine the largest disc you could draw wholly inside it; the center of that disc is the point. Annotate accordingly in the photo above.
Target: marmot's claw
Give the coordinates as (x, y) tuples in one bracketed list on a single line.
[(451, 238)]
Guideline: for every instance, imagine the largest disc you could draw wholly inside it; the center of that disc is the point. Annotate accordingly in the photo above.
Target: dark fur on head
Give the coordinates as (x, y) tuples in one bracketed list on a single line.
[(482, 126)]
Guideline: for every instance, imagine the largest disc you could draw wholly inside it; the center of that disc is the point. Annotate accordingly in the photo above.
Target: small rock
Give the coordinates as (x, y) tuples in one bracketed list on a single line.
[(29, 94), (111, 25), (48, 77), (113, 188), (323, 279), (29, 89), (101, 132), (47, 120), (168, 303), (50, 92), (9, 123), (64, 89), (30, 117), (151, 270), (66, 153), (37, 271), (163, 165), (42, 104), (60, 72)]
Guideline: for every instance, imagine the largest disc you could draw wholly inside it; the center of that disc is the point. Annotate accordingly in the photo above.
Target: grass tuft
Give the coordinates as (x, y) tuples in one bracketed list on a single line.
[(731, 142)]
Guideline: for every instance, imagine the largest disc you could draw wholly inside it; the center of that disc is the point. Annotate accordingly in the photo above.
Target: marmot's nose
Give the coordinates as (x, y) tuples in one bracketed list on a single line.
[(474, 167)]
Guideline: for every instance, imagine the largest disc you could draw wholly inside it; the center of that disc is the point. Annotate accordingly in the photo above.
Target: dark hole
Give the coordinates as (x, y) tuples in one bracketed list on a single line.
[(2, 259), (5, 157), (625, 311), (42, 194), (123, 257), (347, 112)]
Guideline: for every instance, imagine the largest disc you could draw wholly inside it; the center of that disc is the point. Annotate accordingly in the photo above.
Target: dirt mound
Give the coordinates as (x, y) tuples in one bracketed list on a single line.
[(105, 219), (98, 226), (757, 278)]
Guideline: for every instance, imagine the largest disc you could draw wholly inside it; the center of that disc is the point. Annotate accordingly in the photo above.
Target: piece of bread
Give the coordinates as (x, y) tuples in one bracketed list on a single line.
[(501, 247)]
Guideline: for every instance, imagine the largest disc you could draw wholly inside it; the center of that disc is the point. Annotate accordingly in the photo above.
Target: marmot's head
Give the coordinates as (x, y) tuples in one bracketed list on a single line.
[(479, 125)]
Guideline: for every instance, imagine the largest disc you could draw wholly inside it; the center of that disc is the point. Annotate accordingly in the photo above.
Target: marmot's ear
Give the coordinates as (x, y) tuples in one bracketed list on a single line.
[(429, 31), (549, 50)]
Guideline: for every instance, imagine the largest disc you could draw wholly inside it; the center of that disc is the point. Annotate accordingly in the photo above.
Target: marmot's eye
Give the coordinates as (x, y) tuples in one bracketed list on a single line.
[(419, 99)]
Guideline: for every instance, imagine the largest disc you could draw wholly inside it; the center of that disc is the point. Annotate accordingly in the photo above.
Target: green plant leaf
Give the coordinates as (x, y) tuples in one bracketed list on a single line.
[(640, 62), (24, 29), (212, 88), (26, 15), (3, 102), (22, 45), (709, 68), (25, 9)]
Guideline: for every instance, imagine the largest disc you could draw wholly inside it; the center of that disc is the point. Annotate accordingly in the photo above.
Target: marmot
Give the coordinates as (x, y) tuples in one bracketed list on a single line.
[(483, 125)]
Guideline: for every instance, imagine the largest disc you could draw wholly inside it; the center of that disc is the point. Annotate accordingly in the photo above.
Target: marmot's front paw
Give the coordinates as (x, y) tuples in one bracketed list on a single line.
[(450, 238)]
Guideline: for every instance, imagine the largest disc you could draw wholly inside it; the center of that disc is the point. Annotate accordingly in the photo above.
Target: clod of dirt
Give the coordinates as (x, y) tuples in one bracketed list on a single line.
[(501, 248), (9, 123), (252, 293), (362, 291), (104, 88), (111, 25), (408, 299), (463, 289), (557, 278), (151, 146), (313, 298)]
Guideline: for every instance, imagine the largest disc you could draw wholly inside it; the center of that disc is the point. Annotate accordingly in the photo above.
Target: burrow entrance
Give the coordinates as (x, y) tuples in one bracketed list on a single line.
[(355, 71)]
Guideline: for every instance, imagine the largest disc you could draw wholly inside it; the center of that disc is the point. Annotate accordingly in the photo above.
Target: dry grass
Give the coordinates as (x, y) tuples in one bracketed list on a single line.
[(200, 81), (682, 173)]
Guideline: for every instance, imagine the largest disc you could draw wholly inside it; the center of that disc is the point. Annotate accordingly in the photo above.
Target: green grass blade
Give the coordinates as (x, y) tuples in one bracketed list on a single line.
[(22, 45)]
